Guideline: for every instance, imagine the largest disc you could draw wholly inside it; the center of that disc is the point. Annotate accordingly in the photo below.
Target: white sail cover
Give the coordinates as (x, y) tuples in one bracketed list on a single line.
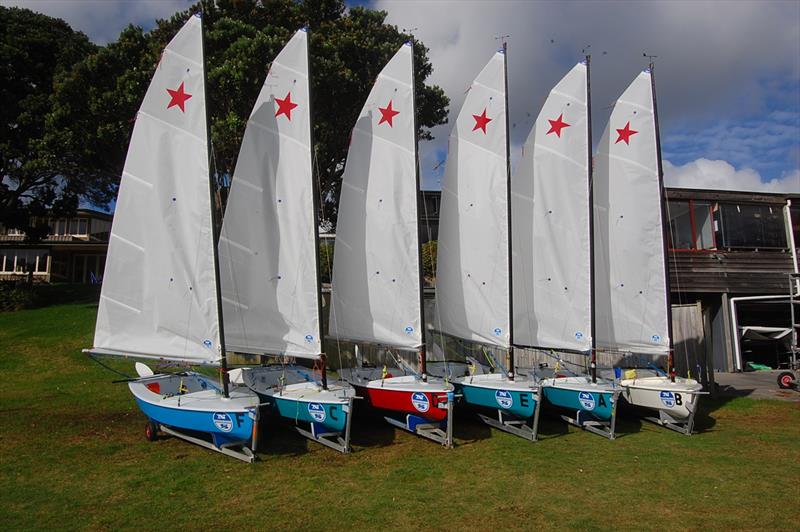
[(376, 283), (267, 249), (472, 280), (159, 295), (550, 220), (630, 284)]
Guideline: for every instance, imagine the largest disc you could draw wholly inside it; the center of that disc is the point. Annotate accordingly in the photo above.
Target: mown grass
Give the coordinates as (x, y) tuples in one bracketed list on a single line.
[(73, 456)]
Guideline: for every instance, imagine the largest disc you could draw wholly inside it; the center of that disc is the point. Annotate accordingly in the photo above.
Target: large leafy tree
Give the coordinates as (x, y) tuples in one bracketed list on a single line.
[(95, 103), (34, 50)]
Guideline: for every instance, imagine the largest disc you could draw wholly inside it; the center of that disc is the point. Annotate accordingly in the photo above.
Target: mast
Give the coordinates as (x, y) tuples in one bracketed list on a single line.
[(215, 225), (664, 229), (317, 205), (423, 354), (593, 346), (511, 364)]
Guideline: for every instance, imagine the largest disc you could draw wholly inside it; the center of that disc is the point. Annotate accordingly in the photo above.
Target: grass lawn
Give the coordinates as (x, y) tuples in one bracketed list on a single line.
[(73, 455)]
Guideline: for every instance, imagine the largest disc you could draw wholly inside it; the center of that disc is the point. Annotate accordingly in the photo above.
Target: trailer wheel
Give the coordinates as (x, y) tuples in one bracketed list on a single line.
[(151, 431), (786, 380)]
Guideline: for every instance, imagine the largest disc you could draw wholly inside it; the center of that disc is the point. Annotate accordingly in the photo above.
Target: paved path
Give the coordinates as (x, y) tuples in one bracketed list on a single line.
[(755, 384)]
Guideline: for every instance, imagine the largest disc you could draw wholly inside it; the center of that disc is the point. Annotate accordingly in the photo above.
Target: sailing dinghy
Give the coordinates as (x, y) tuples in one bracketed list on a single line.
[(473, 295), (376, 293), (553, 308), (160, 294), (269, 256), (632, 288)]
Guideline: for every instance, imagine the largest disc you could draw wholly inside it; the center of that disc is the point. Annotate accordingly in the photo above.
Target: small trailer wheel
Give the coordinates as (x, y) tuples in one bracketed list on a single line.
[(786, 380), (151, 431)]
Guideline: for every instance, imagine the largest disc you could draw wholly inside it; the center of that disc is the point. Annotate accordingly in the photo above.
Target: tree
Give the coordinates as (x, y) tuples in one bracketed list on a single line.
[(95, 103), (34, 50)]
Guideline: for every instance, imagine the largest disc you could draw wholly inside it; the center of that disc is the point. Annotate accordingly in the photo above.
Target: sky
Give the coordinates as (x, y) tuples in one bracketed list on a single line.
[(728, 73)]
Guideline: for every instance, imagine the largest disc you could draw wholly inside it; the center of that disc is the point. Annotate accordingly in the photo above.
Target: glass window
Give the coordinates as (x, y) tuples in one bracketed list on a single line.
[(752, 226), (82, 226), (680, 225), (41, 266), (794, 212), (703, 226), (73, 226)]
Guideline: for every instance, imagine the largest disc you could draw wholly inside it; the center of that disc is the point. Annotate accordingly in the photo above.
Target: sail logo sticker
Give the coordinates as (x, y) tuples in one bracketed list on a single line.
[(317, 412), (409, 329), (223, 421), (504, 398), (420, 401), (586, 400), (668, 398), (655, 338), (309, 338), (579, 335), (207, 343), (497, 331)]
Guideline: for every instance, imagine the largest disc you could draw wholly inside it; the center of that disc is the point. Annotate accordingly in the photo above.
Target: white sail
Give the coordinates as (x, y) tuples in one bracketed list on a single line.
[(376, 284), (159, 295), (472, 281), (630, 278), (268, 265), (550, 220)]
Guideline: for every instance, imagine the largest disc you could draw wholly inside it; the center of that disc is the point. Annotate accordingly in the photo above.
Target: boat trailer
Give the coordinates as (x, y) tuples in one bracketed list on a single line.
[(515, 425), (235, 449), (432, 431), (332, 439), (587, 421)]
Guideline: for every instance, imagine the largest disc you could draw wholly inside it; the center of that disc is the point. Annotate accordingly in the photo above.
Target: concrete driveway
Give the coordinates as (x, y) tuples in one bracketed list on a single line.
[(755, 384)]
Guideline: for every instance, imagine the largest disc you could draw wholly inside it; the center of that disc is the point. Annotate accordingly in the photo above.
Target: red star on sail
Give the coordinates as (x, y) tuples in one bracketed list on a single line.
[(178, 97), (557, 125), (285, 106), (481, 121), (626, 133), (387, 114)]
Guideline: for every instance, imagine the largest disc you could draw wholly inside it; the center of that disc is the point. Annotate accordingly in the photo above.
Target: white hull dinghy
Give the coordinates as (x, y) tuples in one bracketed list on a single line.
[(272, 299), (675, 401), (633, 287), (160, 294)]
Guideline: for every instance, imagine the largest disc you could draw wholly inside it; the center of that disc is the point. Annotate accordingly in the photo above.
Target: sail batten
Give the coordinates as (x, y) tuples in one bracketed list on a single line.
[(269, 277), (629, 259), (472, 293), (375, 293), (159, 290)]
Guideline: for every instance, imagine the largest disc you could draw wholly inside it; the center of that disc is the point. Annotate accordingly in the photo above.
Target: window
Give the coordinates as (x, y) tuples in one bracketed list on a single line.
[(752, 226), (691, 225), (6, 260), (794, 212), (27, 259), (82, 226)]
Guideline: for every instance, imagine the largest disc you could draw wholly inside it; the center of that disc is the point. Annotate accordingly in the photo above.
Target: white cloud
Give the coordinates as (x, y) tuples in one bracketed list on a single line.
[(721, 175), (716, 60), (103, 20)]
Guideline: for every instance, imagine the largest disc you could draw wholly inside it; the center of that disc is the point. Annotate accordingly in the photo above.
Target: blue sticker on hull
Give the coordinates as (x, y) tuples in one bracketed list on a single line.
[(668, 398), (223, 421), (504, 399), (420, 401), (586, 400), (317, 412)]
